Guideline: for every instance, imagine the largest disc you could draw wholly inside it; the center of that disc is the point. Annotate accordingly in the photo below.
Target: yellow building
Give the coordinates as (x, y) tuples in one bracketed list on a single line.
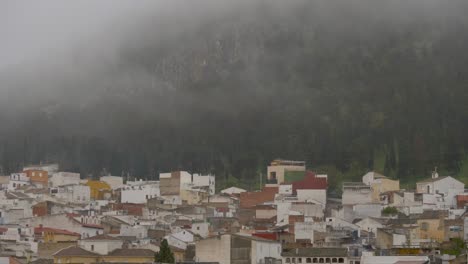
[(193, 196), (431, 226), (77, 254), (98, 189), (380, 184)]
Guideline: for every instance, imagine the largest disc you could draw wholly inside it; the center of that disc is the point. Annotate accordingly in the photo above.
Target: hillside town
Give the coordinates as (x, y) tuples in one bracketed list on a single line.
[(53, 216)]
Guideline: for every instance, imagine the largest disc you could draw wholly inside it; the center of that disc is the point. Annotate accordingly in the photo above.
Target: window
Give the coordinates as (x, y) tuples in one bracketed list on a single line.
[(315, 260), (299, 260), (14, 185), (293, 260), (321, 260), (341, 260), (327, 260), (308, 260), (273, 175), (424, 226), (455, 228), (428, 189), (198, 228), (334, 260), (92, 247), (288, 260)]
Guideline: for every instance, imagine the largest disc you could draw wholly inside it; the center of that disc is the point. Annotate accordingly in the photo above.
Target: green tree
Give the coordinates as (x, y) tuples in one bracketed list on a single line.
[(165, 254), (390, 211)]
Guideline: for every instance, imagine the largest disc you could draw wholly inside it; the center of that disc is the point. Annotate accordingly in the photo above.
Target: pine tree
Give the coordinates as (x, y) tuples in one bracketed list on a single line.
[(165, 254)]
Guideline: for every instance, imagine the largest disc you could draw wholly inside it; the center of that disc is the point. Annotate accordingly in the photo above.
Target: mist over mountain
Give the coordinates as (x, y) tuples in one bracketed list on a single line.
[(226, 86)]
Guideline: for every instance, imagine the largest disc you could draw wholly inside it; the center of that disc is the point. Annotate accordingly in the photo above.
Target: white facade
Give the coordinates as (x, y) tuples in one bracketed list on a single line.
[(313, 196), (204, 181), (18, 180), (201, 229), (73, 193), (64, 178), (305, 230), (445, 187), (262, 249), (309, 210), (180, 239), (139, 193), (137, 231), (114, 182), (285, 189), (355, 193), (100, 246), (367, 210)]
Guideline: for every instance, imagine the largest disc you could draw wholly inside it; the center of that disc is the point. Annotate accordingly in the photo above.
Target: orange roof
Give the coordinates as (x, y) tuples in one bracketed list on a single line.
[(40, 230)]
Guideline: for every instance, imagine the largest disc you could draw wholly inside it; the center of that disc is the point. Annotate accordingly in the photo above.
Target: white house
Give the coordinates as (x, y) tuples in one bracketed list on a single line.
[(114, 182), (201, 229), (445, 187), (73, 193), (180, 239), (316, 196), (101, 244), (18, 180), (140, 193), (356, 193), (220, 249), (137, 231), (64, 178), (369, 224)]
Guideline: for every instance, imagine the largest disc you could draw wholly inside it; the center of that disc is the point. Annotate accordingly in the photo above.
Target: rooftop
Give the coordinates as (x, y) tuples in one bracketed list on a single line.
[(100, 237), (132, 252), (40, 229), (74, 251)]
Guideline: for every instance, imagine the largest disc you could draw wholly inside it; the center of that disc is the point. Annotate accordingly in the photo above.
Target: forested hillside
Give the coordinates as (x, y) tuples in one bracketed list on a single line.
[(347, 86)]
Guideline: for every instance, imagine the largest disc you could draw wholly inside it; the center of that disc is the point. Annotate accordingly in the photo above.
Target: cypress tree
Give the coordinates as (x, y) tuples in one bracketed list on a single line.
[(165, 254)]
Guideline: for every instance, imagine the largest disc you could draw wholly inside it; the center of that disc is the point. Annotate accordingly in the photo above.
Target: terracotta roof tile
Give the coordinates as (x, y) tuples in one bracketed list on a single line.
[(40, 230), (310, 181), (74, 251), (250, 199)]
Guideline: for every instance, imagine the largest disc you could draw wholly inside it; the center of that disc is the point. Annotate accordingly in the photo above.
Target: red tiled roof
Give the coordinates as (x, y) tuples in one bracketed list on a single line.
[(310, 181), (250, 199), (2, 229), (269, 236), (40, 230)]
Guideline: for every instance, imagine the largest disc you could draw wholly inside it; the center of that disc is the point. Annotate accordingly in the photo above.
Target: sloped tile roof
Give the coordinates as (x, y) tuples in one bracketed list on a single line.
[(74, 251)]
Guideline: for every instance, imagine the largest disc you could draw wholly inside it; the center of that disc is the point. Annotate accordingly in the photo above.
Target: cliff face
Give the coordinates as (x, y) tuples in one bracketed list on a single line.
[(352, 86)]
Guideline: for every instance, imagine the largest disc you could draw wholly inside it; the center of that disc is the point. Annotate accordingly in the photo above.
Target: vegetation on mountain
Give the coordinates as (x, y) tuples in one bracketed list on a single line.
[(347, 87)]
